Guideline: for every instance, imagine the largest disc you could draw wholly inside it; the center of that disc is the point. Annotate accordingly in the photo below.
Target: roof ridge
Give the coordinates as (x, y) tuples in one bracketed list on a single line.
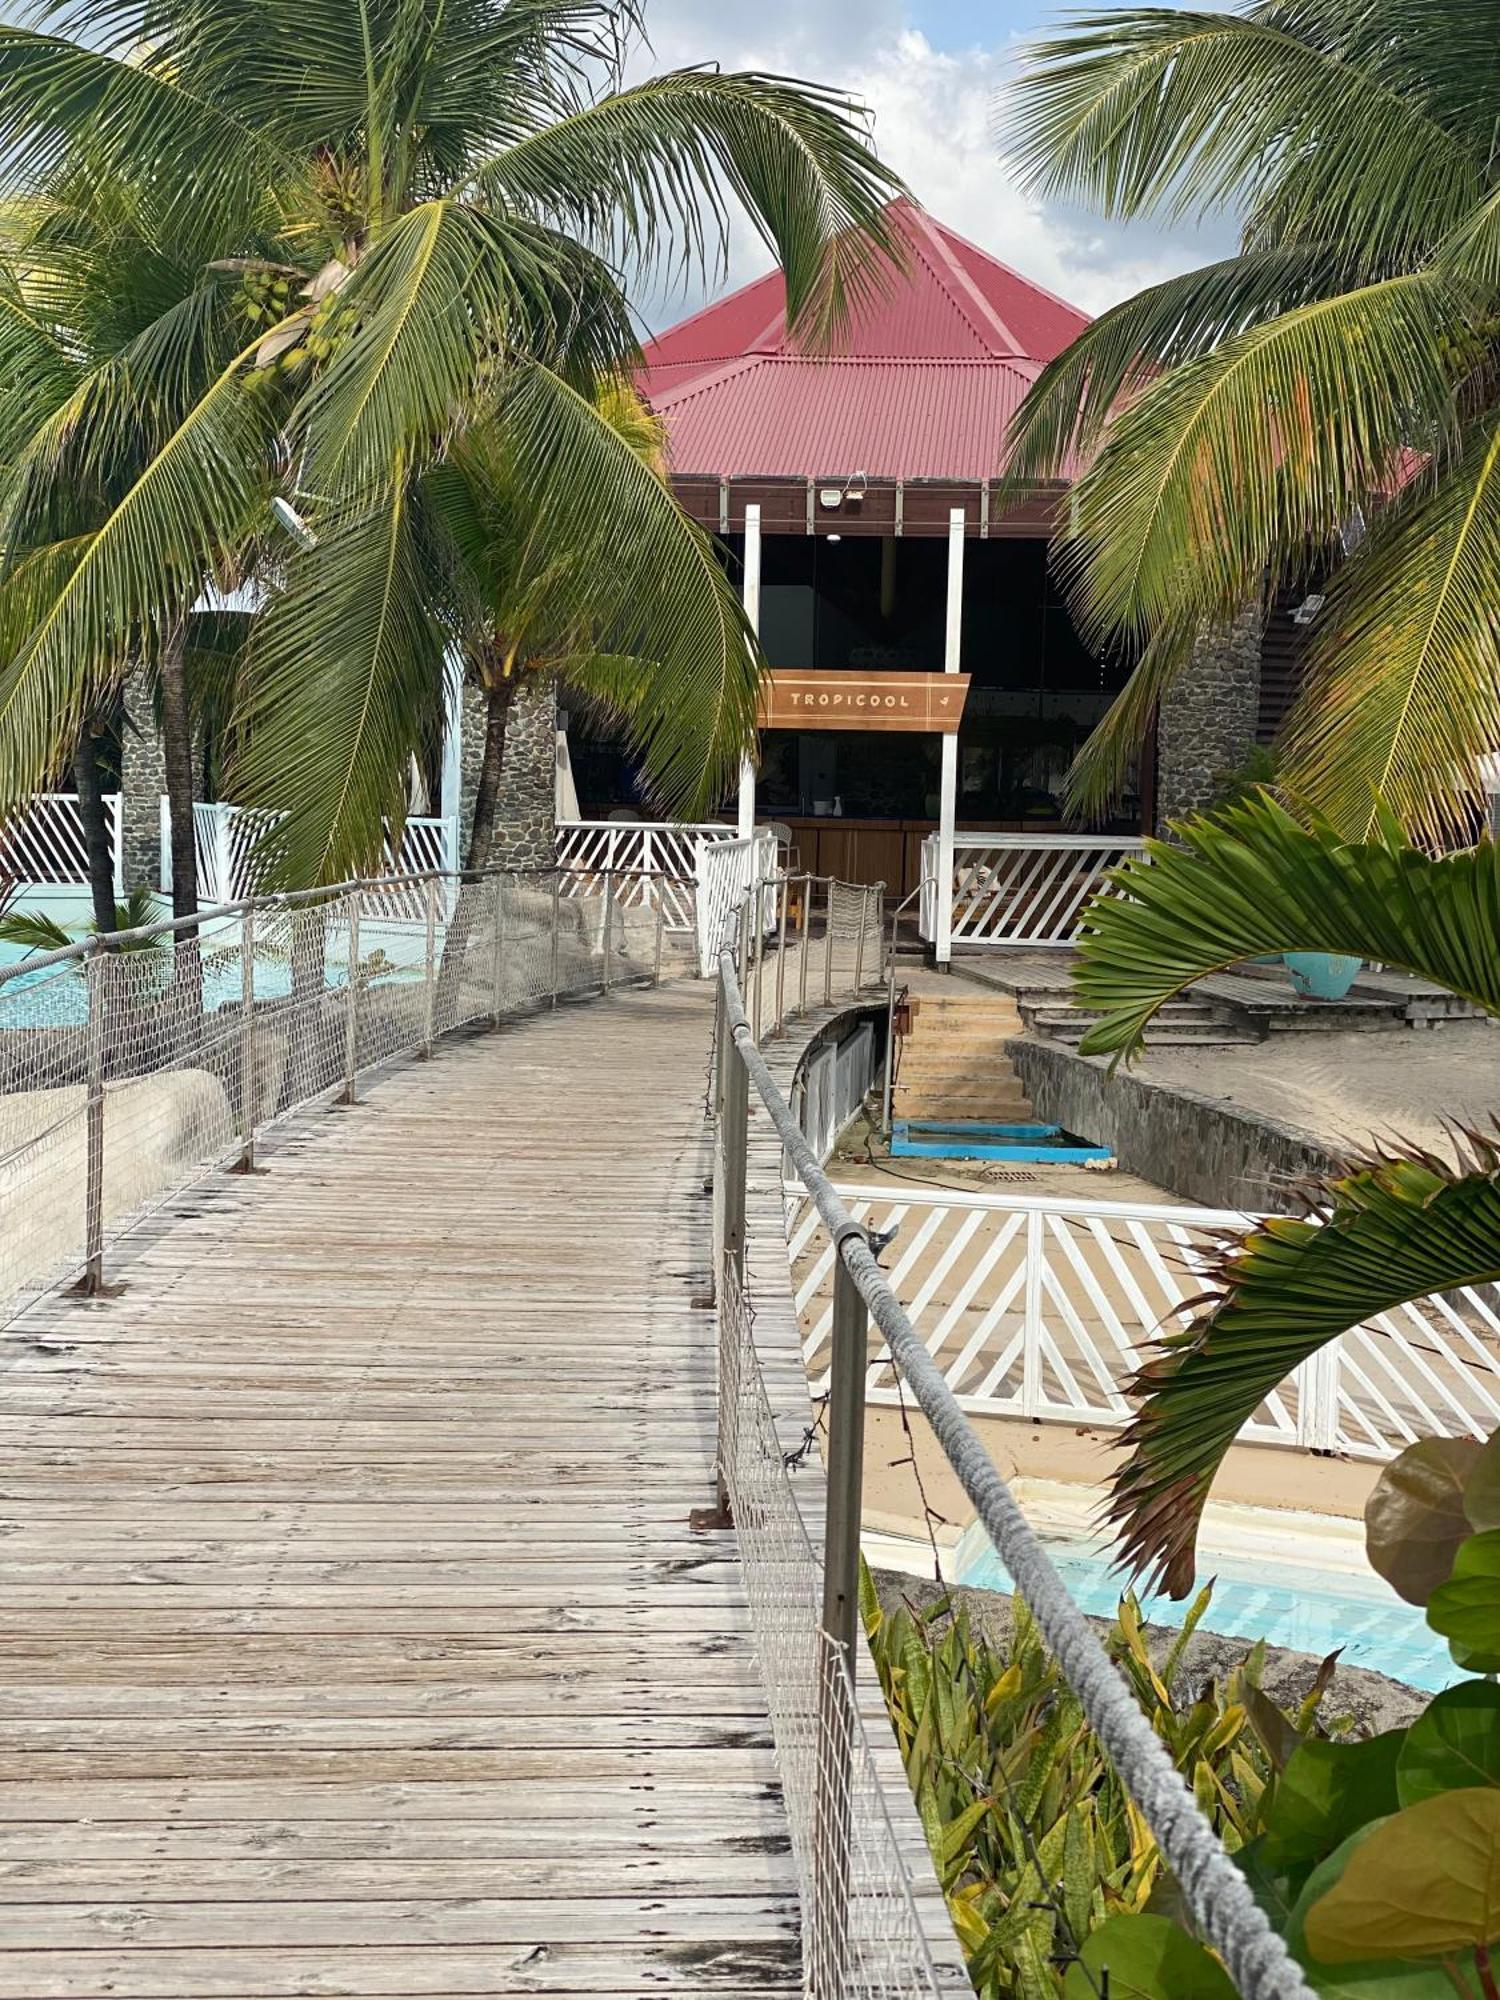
[(991, 322)]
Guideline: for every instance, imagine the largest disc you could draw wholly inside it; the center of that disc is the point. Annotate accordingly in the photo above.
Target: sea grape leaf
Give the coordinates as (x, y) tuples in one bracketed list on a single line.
[(1424, 1883), (1466, 1609), (1369, 1979), (1147, 1958), (1454, 1743), (1415, 1519), (1482, 1487), (1327, 1792)]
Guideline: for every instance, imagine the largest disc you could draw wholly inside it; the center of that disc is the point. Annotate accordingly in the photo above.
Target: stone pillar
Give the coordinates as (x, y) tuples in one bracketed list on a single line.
[(526, 821), (471, 757), (1207, 722), (143, 780), (526, 813)]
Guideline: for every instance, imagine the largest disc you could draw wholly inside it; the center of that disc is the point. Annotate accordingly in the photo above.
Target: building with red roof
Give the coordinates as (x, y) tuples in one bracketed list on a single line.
[(859, 488)]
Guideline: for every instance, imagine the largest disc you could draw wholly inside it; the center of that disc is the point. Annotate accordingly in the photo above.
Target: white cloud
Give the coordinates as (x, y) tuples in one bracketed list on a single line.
[(934, 115)]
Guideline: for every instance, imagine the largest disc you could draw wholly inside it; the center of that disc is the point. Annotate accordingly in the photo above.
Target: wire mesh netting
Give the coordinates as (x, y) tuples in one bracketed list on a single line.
[(127, 1074), (862, 1930)]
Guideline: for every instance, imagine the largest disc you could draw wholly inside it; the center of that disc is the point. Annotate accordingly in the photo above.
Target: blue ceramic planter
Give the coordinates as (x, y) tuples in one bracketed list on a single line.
[(1321, 975)]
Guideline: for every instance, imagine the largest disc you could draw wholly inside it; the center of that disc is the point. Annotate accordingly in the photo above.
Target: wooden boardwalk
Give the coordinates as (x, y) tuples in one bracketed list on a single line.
[(353, 1638)]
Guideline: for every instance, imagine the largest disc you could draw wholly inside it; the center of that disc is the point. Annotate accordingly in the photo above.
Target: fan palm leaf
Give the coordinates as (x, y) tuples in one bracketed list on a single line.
[(1389, 1231), (1253, 880)]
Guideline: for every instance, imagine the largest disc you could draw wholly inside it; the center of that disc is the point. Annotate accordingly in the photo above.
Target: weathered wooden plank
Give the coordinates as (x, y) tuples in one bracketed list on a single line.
[(353, 1638)]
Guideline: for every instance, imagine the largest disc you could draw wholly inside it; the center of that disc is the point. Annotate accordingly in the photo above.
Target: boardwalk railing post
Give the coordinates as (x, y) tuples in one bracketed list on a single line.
[(609, 921), (828, 946), (556, 913), (802, 933), (497, 987), (733, 1147), (430, 971), (660, 901), (96, 968), (247, 1039), (839, 1629), (351, 1011), (783, 890)]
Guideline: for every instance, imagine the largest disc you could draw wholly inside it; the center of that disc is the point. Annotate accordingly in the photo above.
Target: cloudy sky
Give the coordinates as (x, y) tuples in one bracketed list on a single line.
[(932, 71)]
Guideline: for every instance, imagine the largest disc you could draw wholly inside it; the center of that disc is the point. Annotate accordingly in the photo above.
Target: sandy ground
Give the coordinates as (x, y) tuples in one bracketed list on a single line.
[(1349, 1089)]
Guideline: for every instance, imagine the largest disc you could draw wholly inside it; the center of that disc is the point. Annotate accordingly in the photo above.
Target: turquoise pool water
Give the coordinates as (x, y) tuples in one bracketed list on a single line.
[(1312, 1611)]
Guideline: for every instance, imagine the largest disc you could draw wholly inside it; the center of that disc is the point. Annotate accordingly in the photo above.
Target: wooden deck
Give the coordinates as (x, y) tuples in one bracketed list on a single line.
[(353, 1639)]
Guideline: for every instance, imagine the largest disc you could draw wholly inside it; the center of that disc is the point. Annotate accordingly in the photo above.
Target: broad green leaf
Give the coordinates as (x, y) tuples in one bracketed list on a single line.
[(1453, 1744), (1415, 1518), (1328, 1791), (1370, 1979), (1425, 1883), (1146, 1958), (1466, 1609)]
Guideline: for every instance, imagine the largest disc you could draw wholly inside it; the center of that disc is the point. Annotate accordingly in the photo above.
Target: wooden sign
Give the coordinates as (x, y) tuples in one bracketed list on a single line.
[(930, 703)]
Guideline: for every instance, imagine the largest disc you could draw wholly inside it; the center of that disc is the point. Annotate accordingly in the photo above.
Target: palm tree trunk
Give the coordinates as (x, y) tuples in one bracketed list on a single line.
[(91, 814), (498, 698), (177, 751)]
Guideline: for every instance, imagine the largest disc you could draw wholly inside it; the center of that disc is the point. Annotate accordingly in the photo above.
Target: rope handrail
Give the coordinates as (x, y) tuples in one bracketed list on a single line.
[(1215, 1890)]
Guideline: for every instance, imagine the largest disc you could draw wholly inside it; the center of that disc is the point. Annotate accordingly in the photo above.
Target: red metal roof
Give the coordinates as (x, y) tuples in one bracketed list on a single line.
[(922, 385)]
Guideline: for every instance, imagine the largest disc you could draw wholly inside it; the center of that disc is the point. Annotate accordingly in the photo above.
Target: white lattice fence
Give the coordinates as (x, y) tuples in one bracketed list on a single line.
[(1043, 1309), (43, 845), (726, 870), (1022, 888), (656, 862), (224, 838)]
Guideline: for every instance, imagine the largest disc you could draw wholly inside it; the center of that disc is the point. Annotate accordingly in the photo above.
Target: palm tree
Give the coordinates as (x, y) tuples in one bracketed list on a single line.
[(1392, 1228), (1241, 426), (400, 218)]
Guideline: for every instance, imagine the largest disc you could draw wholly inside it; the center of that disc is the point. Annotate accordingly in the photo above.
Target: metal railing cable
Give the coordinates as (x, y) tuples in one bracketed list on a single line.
[(135, 1064), (1215, 1890)]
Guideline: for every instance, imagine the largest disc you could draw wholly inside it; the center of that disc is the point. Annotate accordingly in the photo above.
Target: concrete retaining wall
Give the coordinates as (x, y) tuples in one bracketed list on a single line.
[(1196, 1147)]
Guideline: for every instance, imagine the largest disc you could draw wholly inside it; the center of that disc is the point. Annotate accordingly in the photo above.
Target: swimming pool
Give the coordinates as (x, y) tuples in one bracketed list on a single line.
[(1309, 1609)]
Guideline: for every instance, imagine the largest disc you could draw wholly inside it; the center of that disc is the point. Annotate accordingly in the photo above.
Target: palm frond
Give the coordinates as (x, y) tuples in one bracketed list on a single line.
[(1240, 461), (57, 96), (442, 300), (1252, 880), (344, 683), (189, 506), (1156, 108), (1101, 769), (1392, 1230), (657, 591), (1402, 698), (1069, 407), (650, 166)]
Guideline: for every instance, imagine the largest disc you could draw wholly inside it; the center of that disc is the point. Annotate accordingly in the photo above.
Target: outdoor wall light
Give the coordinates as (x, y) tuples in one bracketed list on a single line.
[(830, 496), (1309, 608), (288, 519)]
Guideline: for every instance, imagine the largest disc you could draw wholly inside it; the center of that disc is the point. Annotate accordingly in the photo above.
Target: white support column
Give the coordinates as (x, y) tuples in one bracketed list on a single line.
[(746, 824), (948, 801), (450, 801)]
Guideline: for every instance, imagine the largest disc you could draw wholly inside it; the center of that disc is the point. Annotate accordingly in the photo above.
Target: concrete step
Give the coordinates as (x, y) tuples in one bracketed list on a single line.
[(1072, 1024), (1002, 1105)]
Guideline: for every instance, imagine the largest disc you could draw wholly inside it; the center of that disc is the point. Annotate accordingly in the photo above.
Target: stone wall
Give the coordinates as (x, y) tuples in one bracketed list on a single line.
[(525, 816), (1196, 1147), (1208, 717), (143, 779)]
